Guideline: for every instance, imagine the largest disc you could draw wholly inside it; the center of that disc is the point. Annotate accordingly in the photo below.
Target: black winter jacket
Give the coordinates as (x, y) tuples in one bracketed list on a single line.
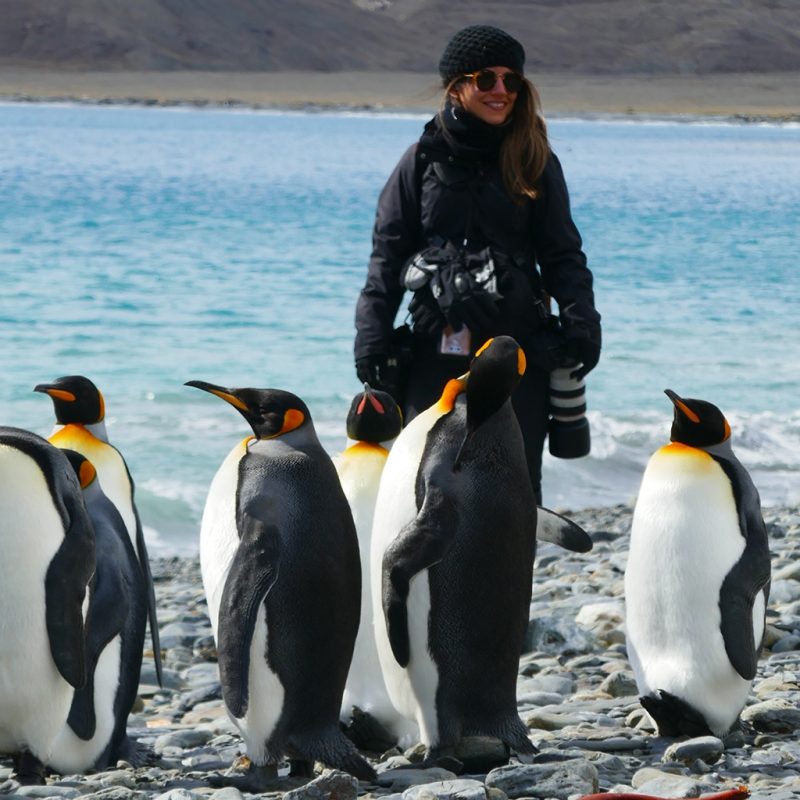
[(435, 193)]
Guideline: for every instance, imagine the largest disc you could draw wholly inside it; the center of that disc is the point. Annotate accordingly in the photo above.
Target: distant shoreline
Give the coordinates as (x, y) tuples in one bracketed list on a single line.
[(742, 97)]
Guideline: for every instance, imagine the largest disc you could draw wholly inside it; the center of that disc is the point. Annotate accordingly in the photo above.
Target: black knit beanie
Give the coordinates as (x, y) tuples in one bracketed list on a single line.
[(479, 46)]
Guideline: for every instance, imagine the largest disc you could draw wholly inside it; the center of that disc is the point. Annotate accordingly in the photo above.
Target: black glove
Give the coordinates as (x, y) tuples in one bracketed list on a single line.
[(587, 353), (380, 372), (581, 325), (426, 314)]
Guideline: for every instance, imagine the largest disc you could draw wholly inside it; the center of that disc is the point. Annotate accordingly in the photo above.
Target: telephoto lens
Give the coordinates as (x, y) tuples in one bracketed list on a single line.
[(569, 429)]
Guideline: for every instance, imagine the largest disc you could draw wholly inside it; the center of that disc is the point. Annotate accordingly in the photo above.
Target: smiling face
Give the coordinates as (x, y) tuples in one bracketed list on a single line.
[(493, 106)]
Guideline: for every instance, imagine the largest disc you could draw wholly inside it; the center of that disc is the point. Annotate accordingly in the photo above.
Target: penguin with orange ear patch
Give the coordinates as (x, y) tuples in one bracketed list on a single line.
[(280, 566), (454, 540), (697, 579)]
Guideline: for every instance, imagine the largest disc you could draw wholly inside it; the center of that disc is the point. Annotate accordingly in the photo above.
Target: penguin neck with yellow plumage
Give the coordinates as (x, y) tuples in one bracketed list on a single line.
[(77, 401), (700, 424)]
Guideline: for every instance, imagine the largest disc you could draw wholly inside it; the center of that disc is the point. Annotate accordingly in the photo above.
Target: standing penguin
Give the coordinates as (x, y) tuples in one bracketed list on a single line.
[(697, 579), (47, 544), (373, 420), (96, 730), (454, 539), (280, 566), (80, 426)]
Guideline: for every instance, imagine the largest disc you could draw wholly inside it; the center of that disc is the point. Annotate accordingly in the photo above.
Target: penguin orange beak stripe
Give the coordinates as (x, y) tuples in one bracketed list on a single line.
[(374, 402), (61, 394), (686, 410), (229, 398), (522, 362)]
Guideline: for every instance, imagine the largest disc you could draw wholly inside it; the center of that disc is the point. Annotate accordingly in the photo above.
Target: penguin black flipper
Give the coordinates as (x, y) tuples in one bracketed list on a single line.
[(144, 563), (557, 529), (419, 545), (108, 612), (749, 576), (252, 574), (67, 576)]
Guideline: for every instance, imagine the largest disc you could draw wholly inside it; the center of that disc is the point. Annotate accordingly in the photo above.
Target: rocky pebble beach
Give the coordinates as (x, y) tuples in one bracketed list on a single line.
[(575, 691)]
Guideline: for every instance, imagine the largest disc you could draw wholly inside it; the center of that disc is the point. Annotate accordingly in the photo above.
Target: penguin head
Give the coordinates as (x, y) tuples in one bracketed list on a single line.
[(76, 400), (373, 417), (270, 412), (84, 468), (697, 423), (494, 373)]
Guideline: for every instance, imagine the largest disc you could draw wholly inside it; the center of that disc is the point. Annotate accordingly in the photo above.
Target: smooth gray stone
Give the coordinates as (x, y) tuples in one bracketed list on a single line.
[(787, 644), (333, 784), (199, 675), (402, 779), (171, 679), (554, 684), (668, 785), (773, 716), (227, 793), (463, 789), (177, 794), (614, 744), (114, 793), (184, 739), (619, 684), (705, 748), (178, 634), (560, 779), (49, 790)]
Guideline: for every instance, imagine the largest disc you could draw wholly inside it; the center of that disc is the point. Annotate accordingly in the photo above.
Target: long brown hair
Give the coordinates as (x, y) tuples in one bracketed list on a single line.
[(525, 148)]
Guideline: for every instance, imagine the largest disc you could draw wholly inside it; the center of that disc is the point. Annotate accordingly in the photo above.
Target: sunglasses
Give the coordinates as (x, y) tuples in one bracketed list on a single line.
[(486, 79)]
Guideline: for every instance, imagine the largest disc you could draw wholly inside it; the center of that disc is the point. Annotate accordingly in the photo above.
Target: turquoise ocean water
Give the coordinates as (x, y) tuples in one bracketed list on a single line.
[(147, 247)]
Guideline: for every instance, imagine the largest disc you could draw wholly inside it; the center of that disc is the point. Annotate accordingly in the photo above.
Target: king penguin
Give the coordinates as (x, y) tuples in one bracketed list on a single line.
[(47, 542), (80, 426), (96, 732), (697, 578), (373, 421), (454, 539), (280, 566)]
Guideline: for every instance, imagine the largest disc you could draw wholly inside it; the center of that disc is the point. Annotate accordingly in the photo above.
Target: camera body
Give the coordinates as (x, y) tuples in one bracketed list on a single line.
[(568, 431)]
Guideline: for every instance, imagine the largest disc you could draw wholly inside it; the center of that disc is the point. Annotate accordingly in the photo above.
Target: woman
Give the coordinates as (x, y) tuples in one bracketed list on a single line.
[(463, 221)]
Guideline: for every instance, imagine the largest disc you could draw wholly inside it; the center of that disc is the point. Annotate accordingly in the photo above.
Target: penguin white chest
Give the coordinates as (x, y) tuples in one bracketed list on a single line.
[(219, 537), (34, 698), (411, 690)]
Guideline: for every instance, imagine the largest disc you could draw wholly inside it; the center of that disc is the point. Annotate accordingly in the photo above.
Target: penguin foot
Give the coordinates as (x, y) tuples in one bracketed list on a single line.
[(29, 770), (301, 768), (444, 758), (134, 753), (367, 733)]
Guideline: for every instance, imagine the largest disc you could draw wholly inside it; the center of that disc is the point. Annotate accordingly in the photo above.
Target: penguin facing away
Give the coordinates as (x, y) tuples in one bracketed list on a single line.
[(373, 421), (96, 730), (454, 542), (697, 579), (280, 566), (80, 426), (47, 543)]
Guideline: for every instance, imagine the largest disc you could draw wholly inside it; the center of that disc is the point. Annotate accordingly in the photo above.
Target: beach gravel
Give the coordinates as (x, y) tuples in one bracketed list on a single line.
[(575, 692)]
